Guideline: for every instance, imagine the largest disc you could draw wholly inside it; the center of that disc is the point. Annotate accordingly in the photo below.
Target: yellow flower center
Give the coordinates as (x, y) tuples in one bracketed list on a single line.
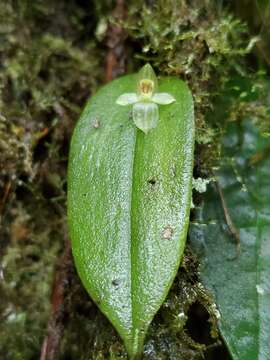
[(146, 88)]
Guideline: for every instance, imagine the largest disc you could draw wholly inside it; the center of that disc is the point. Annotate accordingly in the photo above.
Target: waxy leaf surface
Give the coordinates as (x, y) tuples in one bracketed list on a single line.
[(240, 284), (128, 204)]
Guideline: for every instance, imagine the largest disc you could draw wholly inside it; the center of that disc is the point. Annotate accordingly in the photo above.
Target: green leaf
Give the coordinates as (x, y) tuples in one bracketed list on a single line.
[(128, 204), (241, 285)]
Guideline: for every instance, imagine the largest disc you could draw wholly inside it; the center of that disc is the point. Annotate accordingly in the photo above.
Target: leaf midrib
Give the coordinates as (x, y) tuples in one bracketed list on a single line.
[(131, 233)]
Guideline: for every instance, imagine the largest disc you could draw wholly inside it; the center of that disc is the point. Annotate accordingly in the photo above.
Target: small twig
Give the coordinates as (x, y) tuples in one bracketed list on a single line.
[(5, 196), (233, 230), (51, 344), (116, 55)]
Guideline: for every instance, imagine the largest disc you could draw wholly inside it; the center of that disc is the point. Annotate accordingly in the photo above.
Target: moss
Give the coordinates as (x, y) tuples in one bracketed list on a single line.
[(206, 45), (193, 40), (49, 66), (52, 58)]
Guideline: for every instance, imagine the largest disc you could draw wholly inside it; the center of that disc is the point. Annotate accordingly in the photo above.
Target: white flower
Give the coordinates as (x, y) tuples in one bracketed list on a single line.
[(145, 102)]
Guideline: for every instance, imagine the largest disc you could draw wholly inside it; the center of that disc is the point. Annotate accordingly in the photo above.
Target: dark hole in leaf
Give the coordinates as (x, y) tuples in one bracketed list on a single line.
[(152, 181), (116, 282)]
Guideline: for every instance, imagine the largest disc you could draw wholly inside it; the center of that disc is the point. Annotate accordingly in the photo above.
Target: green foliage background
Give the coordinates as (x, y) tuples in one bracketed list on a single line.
[(52, 59)]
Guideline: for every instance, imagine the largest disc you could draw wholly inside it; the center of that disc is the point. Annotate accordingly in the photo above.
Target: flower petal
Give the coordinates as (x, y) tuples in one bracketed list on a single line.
[(127, 99), (145, 115), (163, 98), (147, 73)]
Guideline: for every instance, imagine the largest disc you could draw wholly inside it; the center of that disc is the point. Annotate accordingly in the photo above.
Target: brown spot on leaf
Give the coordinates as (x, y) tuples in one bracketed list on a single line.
[(167, 233), (96, 123)]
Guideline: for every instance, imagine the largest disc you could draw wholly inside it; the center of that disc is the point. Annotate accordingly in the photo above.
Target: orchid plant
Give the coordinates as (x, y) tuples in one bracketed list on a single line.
[(145, 102)]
